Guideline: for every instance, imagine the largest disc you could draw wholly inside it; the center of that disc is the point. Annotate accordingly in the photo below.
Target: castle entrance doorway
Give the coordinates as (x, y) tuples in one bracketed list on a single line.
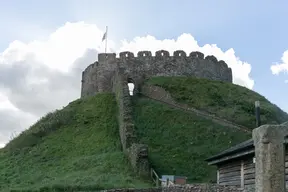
[(131, 86)]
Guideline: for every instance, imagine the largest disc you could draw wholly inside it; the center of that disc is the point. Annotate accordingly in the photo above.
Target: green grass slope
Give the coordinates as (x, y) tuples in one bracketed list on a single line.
[(180, 142), (232, 102), (76, 147), (79, 147)]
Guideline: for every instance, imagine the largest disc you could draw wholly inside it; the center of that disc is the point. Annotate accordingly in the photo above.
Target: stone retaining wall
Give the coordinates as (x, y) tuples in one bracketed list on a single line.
[(135, 151), (185, 188)]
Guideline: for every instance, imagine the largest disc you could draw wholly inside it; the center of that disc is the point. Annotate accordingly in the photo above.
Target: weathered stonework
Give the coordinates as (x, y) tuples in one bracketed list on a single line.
[(138, 155), (202, 187), (184, 188), (98, 76), (270, 158), (136, 152), (111, 74)]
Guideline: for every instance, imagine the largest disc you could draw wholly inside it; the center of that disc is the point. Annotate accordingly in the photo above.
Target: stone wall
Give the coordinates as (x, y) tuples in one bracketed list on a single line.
[(201, 188), (135, 151), (97, 77), (270, 157), (185, 188)]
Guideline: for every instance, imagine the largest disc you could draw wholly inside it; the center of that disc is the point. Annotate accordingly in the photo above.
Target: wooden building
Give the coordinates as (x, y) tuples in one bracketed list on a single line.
[(236, 165)]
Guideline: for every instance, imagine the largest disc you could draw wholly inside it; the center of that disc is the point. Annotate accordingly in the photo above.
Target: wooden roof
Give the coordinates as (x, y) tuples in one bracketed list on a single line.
[(237, 151)]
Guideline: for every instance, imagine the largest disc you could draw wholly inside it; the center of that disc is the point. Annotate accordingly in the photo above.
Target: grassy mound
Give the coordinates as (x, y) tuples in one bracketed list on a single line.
[(180, 142), (232, 102), (77, 147)]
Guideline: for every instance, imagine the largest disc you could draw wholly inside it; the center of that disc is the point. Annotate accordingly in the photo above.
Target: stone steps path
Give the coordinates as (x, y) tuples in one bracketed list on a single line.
[(160, 95)]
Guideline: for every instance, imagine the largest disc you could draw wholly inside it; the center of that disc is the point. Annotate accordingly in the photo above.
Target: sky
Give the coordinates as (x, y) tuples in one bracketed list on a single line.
[(45, 45)]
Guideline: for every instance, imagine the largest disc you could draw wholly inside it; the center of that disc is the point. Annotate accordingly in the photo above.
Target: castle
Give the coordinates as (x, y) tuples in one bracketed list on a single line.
[(99, 76)]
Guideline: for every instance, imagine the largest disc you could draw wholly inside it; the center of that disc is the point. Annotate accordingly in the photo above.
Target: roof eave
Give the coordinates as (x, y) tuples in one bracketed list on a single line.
[(230, 152), (233, 156)]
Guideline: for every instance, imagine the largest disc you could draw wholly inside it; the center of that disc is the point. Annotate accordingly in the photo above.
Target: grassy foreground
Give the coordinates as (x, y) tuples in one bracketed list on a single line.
[(226, 100), (77, 148)]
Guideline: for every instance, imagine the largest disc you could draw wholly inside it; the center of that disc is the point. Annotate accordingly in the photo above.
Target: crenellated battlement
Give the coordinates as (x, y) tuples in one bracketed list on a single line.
[(161, 54), (98, 77)]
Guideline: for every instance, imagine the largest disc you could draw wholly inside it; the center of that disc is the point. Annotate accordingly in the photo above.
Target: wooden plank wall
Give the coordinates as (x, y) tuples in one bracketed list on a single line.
[(230, 174), (249, 172)]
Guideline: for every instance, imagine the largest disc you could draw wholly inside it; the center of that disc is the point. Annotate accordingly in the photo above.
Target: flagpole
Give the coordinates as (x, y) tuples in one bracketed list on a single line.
[(106, 39)]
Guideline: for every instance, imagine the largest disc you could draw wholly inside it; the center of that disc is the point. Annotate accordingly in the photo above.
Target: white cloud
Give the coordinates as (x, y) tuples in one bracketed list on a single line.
[(281, 67), (40, 76), (186, 42), (6, 104), (61, 49)]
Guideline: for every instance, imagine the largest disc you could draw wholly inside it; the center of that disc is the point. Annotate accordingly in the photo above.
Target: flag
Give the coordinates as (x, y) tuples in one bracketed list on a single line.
[(104, 36)]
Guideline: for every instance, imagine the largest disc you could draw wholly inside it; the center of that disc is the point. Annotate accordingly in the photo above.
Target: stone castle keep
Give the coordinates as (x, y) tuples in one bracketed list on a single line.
[(99, 76), (111, 75)]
